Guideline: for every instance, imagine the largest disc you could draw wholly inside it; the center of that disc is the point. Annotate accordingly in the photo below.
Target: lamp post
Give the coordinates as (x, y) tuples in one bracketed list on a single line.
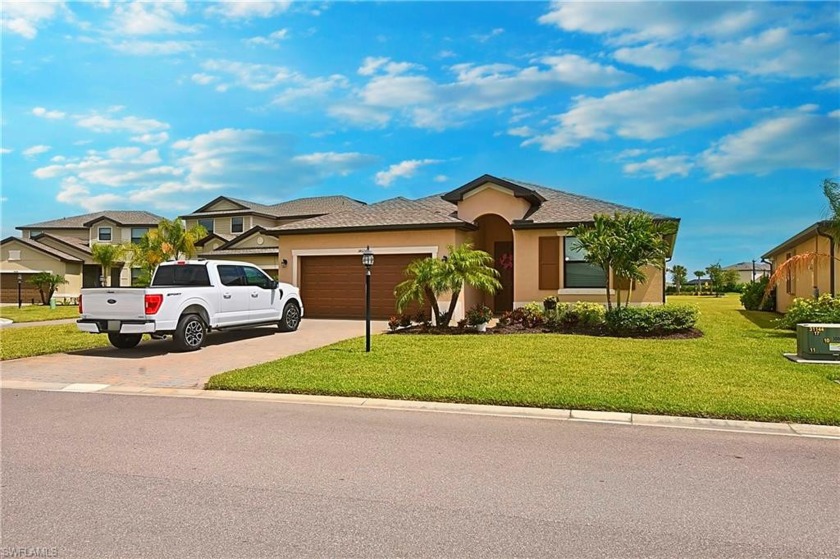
[(367, 262), (20, 282)]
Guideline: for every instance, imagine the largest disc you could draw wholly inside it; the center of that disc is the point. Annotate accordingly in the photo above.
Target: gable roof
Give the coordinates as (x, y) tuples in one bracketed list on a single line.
[(210, 236), (803, 235), (301, 207), (749, 266), (241, 237), (391, 214), (120, 217), (518, 190), (70, 242), (55, 253)]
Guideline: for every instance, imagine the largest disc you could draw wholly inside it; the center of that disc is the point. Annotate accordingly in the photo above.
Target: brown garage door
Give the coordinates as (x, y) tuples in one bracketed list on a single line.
[(9, 289), (334, 286)]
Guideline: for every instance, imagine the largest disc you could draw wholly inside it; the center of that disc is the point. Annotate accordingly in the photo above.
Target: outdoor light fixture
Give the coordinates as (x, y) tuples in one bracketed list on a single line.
[(367, 262), (284, 262), (444, 258), (20, 282)]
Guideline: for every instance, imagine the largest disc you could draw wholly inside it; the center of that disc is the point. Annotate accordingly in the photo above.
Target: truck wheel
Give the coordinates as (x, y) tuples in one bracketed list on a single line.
[(290, 319), (124, 341), (190, 333)]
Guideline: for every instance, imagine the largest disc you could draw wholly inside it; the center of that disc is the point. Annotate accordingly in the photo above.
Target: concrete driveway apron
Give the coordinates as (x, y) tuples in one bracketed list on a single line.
[(156, 363)]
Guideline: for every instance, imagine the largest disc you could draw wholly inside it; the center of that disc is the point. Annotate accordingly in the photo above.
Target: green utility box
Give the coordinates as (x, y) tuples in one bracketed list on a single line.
[(818, 342)]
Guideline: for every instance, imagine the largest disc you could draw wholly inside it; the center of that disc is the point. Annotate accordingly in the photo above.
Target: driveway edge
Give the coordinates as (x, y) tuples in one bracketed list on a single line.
[(619, 418)]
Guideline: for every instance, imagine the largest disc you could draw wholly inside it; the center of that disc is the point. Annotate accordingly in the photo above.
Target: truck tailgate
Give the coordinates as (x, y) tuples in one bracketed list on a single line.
[(114, 303)]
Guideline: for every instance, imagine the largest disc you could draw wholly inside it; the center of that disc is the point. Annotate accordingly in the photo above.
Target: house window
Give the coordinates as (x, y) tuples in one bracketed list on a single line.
[(14, 255), (137, 234), (788, 276), (207, 224), (104, 233), (34, 233), (135, 276), (577, 272), (549, 262), (237, 225)]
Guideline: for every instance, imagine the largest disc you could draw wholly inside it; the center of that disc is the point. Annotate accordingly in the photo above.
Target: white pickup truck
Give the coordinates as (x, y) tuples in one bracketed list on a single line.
[(186, 300)]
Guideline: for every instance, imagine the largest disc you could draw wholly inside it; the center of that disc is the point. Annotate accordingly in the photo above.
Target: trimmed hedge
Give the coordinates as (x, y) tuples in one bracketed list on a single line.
[(667, 319)]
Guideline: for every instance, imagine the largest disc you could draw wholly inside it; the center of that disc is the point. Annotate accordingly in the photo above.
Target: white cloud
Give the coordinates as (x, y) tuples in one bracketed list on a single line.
[(203, 79), (661, 167), (257, 77), (441, 178), (149, 18), (36, 150), (44, 113), (106, 124), (650, 56), (24, 18), (272, 40), (117, 167), (151, 139), (630, 22), (5, 151), (657, 111), (246, 9), (360, 115), (828, 85), (801, 139), (484, 37), (425, 103), (342, 163), (402, 170), (153, 48), (773, 52), (310, 90)]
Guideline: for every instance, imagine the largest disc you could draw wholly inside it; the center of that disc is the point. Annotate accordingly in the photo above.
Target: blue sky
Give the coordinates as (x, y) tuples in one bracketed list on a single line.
[(723, 114)]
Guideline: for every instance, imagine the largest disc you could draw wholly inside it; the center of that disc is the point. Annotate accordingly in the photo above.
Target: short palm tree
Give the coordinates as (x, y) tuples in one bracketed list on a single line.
[(699, 275), (107, 255), (175, 240), (679, 274), (429, 278)]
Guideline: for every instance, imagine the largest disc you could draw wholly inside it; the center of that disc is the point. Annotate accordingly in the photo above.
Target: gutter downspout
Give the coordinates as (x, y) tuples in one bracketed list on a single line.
[(665, 277), (831, 264)]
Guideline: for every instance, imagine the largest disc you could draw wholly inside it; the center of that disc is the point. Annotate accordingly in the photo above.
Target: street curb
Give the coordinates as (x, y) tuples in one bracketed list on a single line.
[(588, 416)]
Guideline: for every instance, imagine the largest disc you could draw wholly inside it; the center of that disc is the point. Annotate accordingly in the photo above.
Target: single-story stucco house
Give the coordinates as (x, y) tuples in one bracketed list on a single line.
[(820, 277), (523, 226)]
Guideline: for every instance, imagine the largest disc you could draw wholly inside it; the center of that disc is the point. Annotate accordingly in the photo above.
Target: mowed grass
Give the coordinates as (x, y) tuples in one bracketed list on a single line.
[(735, 371), (41, 340), (36, 313)]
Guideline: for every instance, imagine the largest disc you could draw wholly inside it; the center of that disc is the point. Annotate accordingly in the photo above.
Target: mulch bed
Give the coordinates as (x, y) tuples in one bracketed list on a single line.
[(520, 329)]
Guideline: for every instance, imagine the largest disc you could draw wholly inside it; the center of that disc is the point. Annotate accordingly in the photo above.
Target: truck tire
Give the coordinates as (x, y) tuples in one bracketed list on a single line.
[(124, 341), (290, 319), (190, 333)]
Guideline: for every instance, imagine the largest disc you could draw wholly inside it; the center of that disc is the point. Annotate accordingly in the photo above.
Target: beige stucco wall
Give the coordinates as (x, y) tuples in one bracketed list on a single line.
[(32, 260), (491, 199), (526, 275), (222, 205), (253, 241), (804, 280)]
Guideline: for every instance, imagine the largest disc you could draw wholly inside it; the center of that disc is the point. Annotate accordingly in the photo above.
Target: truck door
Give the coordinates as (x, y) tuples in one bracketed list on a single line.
[(235, 302), (262, 297)]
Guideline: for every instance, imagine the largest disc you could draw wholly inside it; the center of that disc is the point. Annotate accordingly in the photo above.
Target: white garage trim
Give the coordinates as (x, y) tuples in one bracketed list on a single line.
[(355, 251)]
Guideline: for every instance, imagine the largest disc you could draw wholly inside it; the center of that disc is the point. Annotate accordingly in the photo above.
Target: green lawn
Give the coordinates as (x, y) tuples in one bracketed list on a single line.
[(36, 313), (735, 371), (40, 340)]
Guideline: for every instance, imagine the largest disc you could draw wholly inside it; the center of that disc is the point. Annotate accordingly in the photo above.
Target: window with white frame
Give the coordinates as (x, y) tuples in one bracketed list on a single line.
[(104, 234), (237, 224), (577, 272), (137, 234)]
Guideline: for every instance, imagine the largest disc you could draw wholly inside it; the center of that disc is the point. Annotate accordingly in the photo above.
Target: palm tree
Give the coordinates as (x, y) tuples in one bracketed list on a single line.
[(106, 255), (679, 275), (429, 278), (699, 274), (170, 240)]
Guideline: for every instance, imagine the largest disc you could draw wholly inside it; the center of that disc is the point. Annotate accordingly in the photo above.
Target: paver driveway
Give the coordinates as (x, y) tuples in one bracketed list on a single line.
[(156, 363)]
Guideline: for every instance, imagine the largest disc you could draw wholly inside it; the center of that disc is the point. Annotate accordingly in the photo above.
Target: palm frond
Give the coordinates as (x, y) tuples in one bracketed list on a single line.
[(796, 263)]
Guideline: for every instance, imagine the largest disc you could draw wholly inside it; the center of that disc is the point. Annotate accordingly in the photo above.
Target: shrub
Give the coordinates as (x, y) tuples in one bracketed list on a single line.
[(420, 318), (753, 294), (405, 320), (589, 314), (550, 303), (667, 319), (479, 314), (824, 309), (533, 315)]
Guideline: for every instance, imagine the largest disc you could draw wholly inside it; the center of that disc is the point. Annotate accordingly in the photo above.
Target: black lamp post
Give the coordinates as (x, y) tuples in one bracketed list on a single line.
[(367, 262), (20, 282)]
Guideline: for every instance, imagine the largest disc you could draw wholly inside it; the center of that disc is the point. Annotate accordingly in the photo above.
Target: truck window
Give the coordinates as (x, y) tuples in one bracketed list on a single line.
[(194, 275), (255, 277), (231, 275)]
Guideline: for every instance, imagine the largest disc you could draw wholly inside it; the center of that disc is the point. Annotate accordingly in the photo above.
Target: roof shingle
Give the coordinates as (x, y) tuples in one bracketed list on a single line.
[(43, 248), (121, 217)]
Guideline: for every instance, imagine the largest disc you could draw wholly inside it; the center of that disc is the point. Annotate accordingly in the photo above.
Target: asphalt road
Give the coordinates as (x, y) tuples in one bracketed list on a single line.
[(95, 475)]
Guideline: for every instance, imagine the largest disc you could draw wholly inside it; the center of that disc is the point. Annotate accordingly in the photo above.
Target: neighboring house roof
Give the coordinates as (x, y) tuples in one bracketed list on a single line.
[(803, 235), (220, 236), (391, 214), (55, 253), (84, 221), (313, 206), (749, 266), (71, 242)]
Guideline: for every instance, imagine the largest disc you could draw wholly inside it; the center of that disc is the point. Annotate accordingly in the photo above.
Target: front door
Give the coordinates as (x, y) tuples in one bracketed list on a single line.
[(503, 257)]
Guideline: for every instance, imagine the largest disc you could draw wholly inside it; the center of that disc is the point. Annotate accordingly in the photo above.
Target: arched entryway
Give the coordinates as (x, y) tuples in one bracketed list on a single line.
[(495, 237)]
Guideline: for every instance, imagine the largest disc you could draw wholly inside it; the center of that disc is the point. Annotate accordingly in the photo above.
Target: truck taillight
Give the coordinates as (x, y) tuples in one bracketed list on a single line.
[(153, 303), (80, 305)]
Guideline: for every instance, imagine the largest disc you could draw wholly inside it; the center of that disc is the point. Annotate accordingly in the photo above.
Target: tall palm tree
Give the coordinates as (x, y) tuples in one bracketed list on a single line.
[(679, 274), (699, 274), (175, 240), (429, 278), (106, 255)]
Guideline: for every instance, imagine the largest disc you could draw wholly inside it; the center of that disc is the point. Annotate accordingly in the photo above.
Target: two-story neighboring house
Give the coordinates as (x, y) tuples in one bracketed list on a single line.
[(236, 227), (62, 246)]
